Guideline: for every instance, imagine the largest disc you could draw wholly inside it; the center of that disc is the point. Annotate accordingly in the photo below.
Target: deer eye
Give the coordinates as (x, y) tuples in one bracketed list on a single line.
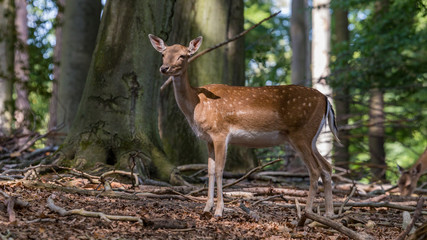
[(163, 55)]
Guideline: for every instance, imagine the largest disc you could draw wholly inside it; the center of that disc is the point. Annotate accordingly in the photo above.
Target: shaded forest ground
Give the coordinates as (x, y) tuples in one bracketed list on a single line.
[(253, 211)]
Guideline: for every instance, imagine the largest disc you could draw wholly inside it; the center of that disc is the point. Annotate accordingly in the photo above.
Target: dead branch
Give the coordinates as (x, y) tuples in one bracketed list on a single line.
[(61, 211), (250, 213), (240, 179), (346, 200), (10, 209), (266, 199), (414, 219), (18, 202), (134, 175), (344, 230)]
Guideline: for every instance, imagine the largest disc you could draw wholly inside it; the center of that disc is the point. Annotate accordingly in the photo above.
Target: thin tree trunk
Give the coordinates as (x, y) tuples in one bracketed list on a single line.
[(81, 23), (321, 21), (53, 107), (7, 42), (342, 101), (22, 104), (376, 115), (298, 65), (299, 42)]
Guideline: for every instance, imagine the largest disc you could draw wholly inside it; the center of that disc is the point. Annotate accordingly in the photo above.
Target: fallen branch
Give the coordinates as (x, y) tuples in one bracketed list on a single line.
[(240, 179), (10, 209), (414, 219), (339, 227), (134, 175), (61, 211), (346, 200)]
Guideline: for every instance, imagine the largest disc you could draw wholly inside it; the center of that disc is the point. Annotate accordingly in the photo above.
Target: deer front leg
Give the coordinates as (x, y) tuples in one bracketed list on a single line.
[(220, 155), (211, 174)]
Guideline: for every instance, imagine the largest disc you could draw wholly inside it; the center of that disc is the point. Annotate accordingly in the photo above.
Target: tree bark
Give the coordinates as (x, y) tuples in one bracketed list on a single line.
[(299, 43), (7, 41), (321, 21), (116, 120), (216, 21), (342, 98), (377, 132), (53, 107), (22, 104), (81, 23), (376, 115)]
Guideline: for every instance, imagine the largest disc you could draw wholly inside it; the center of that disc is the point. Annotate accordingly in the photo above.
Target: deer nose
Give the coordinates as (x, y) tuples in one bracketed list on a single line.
[(164, 69)]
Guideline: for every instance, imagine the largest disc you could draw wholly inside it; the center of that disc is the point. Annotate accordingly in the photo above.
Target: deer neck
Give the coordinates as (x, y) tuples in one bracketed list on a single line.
[(185, 95)]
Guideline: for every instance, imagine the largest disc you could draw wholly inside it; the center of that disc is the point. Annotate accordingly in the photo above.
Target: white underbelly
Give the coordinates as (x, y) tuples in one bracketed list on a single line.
[(255, 139)]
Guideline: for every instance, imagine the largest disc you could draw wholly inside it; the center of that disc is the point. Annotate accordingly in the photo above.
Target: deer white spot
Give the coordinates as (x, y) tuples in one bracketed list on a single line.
[(309, 104)]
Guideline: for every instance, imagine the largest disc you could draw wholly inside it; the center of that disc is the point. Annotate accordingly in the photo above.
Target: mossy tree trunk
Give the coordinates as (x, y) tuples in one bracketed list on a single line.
[(216, 21), (116, 120)]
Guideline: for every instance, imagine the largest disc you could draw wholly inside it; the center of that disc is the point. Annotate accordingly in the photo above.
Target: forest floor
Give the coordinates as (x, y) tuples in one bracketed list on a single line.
[(253, 211)]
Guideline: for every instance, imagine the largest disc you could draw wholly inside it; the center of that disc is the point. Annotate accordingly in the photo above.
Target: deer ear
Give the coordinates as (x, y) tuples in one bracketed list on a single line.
[(195, 45), (157, 43)]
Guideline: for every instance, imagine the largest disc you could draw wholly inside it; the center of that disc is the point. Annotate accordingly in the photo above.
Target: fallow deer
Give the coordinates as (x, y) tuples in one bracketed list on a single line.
[(409, 178), (252, 117)]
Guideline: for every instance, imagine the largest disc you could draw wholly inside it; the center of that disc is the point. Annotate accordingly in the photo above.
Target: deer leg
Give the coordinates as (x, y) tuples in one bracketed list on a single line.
[(310, 161), (327, 184), (211, 174), (220, 155)]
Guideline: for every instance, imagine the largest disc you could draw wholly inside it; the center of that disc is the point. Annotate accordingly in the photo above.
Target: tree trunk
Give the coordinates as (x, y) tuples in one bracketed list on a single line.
[(377, 132), (53, 107), (298, 65), (23, 108), (81, 23), (216, 21), (376, 114), (321, 21), (116, 120), (342, 102), (299, 42), (7, 42)]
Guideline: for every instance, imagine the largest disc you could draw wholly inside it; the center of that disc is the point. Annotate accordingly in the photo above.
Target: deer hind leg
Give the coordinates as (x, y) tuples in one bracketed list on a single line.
[(327, 183), (211, 174), (306, 153), (220, 157)]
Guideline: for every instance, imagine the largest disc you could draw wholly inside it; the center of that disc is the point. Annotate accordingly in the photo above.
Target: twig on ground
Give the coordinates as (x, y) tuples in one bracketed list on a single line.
[(339, 227), (353, 190), (266, 199), (417, 213), (10, 208), (18, 202), (61, 211), (298, 208), (134, 175), (250, 213)]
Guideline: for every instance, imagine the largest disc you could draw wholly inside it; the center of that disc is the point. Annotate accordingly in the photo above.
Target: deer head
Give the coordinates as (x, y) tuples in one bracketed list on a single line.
[(175, 57)]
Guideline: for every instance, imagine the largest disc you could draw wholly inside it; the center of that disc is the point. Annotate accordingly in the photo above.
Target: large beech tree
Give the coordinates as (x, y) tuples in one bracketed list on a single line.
[(116, 121)]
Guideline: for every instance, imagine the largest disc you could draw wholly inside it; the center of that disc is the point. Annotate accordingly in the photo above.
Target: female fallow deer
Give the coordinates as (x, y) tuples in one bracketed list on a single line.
[(252, 117), (409, 178)]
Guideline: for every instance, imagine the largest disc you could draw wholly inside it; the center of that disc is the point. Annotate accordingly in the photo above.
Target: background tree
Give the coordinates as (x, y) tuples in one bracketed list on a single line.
[(341, 40), (321, 30), (81, 23), (23, 110), (216, 21), (6, 65), (53, 105)]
